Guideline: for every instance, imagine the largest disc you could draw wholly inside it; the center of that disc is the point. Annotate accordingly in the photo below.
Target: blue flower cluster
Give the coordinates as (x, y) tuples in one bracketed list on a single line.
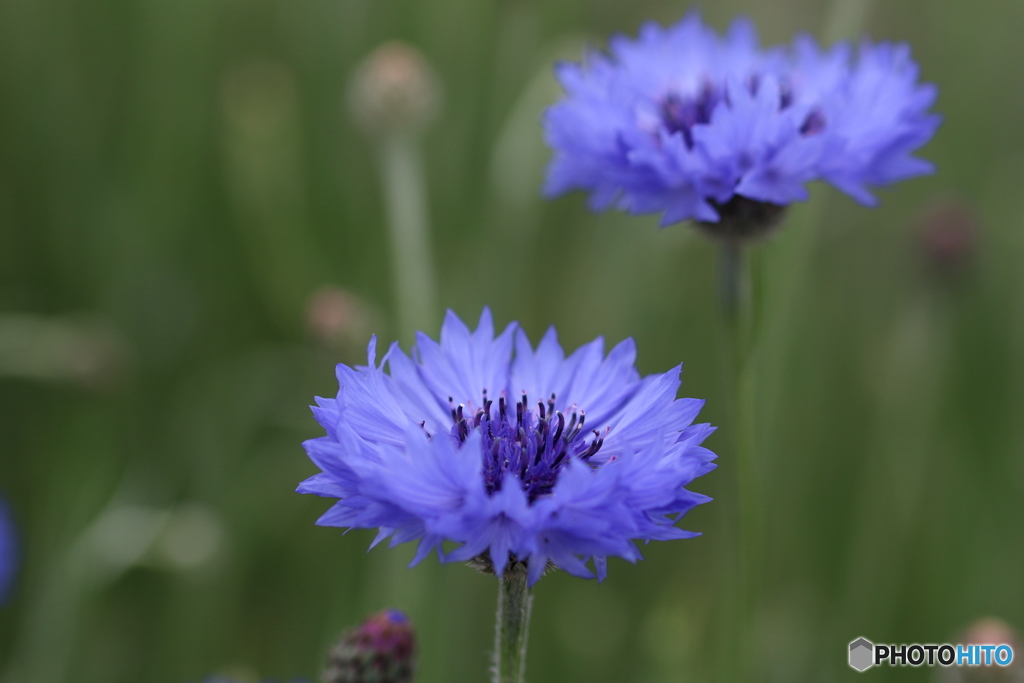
[(517, 453), (692, 125)]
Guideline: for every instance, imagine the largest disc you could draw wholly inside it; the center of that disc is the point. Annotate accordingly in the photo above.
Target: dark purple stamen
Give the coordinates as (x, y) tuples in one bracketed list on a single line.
[(561, 425), (814, 124), (533, 448), (680, 114), (785, 95)]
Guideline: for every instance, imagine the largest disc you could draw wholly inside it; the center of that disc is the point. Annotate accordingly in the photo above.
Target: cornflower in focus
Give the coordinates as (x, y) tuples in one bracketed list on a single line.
[(519, 454), (717, 130)]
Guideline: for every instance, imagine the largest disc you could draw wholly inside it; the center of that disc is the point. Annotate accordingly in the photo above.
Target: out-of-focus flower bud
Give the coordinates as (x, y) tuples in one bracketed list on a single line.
[(990, 631), (381, 650), (394, 90), (337, 318), (948, 236), (987, 631)]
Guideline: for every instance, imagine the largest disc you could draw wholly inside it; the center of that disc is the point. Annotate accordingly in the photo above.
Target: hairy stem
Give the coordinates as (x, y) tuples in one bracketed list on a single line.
[(512, 626)]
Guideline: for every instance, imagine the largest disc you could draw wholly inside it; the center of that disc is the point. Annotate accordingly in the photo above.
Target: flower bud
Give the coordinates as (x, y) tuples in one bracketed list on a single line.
[(948, 237), (337, 318), (381, 650), (394, 90), (987, 631)]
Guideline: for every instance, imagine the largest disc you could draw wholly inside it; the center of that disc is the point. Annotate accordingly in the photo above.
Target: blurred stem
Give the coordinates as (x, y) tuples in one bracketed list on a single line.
[(737, 299), (846, 19), (264, 170), (733, 283), (408, 223), (789, 264), (512, 626)]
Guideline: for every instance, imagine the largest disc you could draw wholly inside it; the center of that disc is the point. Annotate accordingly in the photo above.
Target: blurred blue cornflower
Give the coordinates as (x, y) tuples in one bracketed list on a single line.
[(8, 551), (480, 440), (715, 129)]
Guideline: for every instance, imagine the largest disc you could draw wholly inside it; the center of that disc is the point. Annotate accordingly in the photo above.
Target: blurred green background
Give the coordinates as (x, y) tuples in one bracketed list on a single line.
[(193, 232)]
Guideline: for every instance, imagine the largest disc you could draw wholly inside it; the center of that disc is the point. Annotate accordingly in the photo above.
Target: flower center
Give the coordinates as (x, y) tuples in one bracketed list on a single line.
[(680, 114), (532, 445)]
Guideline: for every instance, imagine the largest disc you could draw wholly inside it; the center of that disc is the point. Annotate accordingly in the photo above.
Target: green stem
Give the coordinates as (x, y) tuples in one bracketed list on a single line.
[(512, 627), (733, 286), (748, 485), (845, 20), (412, 263), (737, 303)]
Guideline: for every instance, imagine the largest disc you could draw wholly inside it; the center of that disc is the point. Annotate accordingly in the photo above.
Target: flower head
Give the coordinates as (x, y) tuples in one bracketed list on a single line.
[(518, 453), (715, 129)]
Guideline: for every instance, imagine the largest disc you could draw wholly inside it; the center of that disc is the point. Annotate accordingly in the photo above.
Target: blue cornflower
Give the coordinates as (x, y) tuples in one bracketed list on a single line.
[(8, 551), (715, 129), (480, 440)]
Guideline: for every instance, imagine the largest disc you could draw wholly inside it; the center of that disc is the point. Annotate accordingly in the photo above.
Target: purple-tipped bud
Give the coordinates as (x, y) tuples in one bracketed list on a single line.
[(949, 237), (381, 650)]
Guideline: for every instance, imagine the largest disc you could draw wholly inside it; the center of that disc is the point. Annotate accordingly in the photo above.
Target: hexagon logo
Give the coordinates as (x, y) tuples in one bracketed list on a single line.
[(862, 653)]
